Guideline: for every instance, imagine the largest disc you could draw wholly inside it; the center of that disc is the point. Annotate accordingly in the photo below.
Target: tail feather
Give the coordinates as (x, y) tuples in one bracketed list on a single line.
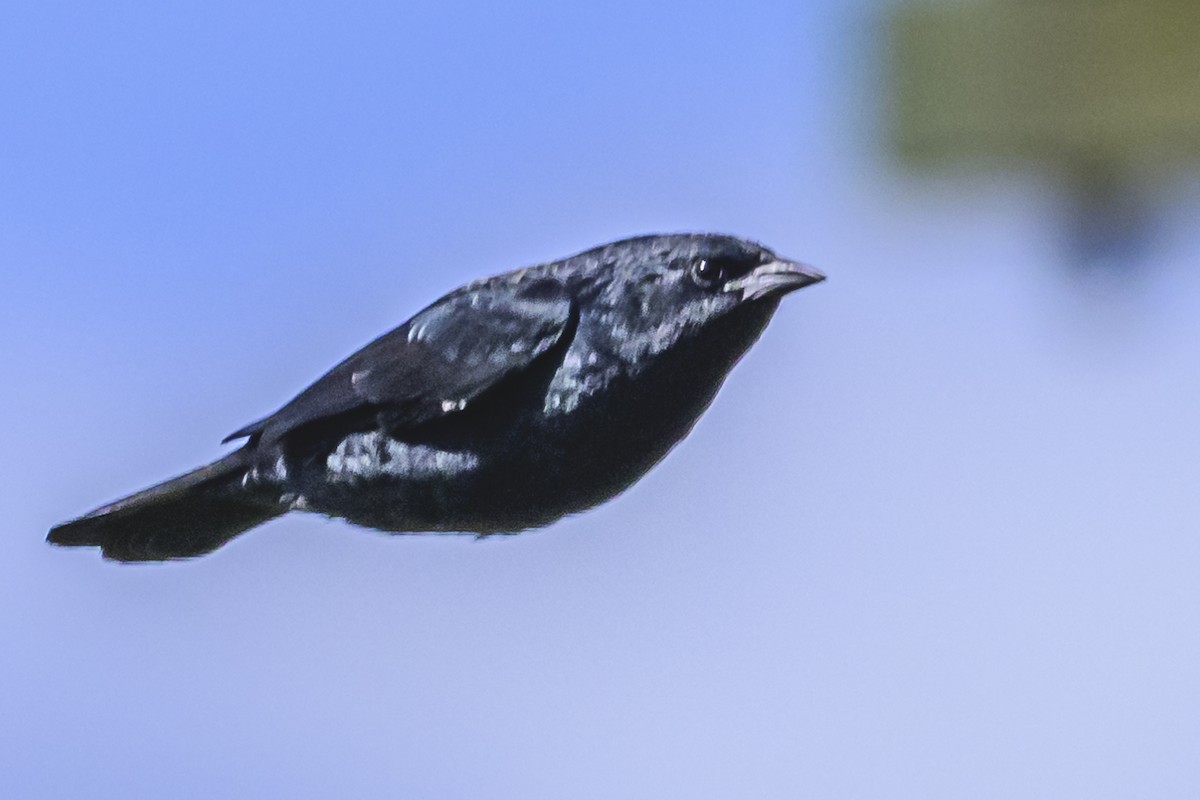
[(184, 517)]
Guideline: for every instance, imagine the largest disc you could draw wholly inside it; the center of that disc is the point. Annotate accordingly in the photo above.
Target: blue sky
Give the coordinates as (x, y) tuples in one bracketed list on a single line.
[(935, 538)]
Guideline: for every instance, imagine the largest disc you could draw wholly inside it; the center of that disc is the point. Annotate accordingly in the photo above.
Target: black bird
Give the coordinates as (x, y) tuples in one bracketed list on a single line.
[(505, 405)]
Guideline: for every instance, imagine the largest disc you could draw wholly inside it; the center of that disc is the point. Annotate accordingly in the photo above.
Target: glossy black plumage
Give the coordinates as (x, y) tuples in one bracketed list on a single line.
[(502, 406)]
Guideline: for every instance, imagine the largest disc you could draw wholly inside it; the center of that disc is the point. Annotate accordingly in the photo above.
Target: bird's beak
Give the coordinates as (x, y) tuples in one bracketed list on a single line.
[(774, 279)]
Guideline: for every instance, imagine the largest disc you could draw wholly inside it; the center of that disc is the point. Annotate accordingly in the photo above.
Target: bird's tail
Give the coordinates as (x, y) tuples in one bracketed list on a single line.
[(186, 516)]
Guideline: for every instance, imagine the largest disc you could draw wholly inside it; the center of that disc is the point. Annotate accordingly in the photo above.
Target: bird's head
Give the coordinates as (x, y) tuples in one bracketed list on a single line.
[(658, 291)]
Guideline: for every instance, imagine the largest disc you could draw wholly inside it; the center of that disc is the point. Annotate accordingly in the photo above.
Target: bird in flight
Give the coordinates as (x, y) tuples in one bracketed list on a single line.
[(505, 405)]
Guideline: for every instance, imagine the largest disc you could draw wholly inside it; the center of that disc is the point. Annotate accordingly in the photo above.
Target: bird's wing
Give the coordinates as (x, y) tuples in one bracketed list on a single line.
[(438, 362)]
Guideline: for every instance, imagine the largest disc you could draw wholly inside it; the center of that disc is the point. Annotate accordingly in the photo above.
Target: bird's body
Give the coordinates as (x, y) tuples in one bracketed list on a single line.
[(503, 406)]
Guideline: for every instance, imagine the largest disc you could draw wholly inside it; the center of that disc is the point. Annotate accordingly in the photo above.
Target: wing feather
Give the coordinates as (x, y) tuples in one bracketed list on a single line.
[(439, 362)]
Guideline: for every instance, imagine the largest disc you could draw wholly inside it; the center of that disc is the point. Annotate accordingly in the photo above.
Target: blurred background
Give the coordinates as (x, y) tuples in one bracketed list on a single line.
[(936, 537)]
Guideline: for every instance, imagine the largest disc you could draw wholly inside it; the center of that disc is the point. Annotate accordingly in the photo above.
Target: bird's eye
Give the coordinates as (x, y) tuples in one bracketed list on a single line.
[(707, 272)]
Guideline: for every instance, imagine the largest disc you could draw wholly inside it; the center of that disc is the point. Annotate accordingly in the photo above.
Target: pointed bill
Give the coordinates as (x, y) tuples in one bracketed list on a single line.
[(775, 279)]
